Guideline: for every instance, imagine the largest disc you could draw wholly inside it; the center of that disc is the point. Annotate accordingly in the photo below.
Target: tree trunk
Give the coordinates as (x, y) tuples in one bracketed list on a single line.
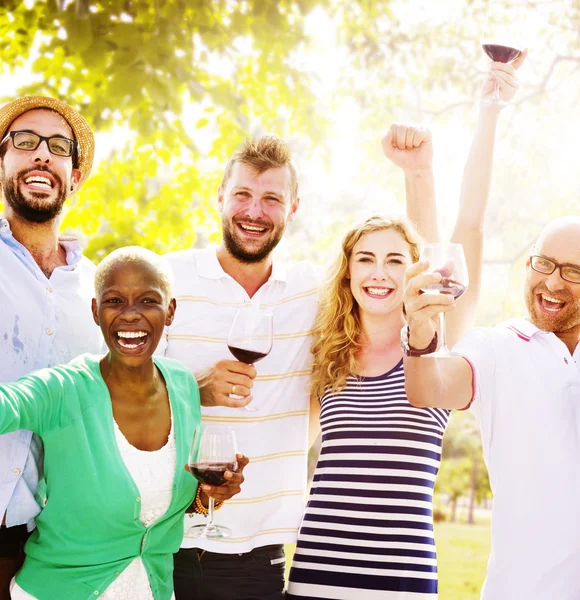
[(474, 469), (454, 510)]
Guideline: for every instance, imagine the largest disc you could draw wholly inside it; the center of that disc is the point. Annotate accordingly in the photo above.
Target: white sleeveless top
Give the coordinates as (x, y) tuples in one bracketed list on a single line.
[(153, 473)]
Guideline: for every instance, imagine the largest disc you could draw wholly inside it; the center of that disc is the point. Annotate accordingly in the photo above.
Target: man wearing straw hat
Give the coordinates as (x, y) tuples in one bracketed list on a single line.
[(46, 286)]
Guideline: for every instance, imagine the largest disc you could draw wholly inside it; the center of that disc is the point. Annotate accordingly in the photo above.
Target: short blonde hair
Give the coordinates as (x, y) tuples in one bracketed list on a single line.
[(136, 255), (261, 154)]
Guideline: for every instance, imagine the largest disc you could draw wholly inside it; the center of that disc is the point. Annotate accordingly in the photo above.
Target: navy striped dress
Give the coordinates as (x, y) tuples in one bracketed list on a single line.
[(367, 532)]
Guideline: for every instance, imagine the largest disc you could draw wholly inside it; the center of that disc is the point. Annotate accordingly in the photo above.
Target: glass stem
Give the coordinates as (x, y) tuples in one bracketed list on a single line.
[(210, 524), (442, 340), (496, 95)]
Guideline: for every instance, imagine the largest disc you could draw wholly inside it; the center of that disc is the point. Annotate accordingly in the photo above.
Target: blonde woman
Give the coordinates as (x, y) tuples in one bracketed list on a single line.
[(368, 525), (367, 531)]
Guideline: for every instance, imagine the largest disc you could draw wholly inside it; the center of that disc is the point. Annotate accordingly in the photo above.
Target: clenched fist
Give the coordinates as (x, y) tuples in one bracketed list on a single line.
[(408, 147)]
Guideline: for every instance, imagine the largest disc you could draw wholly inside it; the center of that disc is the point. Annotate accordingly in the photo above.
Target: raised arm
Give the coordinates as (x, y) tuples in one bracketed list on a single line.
[(475, 193), (435, 382), (411, 149)]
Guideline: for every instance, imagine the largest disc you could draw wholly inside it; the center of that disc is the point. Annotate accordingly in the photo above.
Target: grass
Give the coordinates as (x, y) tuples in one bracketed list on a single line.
[(462, 553)]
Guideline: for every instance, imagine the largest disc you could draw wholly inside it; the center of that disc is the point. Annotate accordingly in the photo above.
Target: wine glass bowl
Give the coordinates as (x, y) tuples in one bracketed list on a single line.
[(448, 284), (213, 452), (500, 53), (448, 260), (251, 335)]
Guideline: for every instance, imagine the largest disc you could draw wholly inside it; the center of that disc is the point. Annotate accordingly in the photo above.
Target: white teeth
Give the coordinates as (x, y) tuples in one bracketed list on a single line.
[(137, 335), (252, 228), (39, 181), (550, 299), (378, 291), (131, 334), (130, 346)]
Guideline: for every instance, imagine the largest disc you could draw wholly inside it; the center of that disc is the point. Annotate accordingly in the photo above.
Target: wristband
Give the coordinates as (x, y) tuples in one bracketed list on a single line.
[(409, 351)]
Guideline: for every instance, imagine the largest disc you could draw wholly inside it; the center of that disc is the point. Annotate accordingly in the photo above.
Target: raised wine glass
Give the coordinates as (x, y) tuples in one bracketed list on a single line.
[(213, 452), (251, 334), (448, 260), (503, 46)]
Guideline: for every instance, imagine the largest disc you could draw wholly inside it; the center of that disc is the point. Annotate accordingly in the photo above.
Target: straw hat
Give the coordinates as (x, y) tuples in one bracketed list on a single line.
[(81, 130)]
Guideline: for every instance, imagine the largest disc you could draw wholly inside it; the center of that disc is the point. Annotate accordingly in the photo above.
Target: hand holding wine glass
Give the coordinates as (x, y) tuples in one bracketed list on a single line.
[(251, 335), (507, 55), (215, 462), (448, 261)]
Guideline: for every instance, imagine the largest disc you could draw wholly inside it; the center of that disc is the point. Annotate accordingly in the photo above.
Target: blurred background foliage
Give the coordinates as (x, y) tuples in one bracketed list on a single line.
[(172, 87)]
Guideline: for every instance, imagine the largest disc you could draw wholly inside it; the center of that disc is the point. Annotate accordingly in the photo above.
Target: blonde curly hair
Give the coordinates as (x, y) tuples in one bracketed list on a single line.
[(338, 326)]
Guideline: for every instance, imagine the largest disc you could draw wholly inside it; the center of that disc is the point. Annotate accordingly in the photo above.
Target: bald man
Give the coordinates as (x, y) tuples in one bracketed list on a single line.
[(522, 381)]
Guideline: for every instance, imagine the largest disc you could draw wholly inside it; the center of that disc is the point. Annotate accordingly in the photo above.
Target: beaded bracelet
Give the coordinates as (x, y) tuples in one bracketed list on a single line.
[(199, 508)]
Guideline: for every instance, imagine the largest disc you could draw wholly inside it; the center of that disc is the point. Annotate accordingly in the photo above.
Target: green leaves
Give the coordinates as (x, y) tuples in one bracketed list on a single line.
[(138, 66)]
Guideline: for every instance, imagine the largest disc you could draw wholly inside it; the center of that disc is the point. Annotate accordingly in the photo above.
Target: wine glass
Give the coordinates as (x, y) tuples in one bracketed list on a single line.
[(251, 334), (213, 452), (448, 260), (502, 42), (503, 54)]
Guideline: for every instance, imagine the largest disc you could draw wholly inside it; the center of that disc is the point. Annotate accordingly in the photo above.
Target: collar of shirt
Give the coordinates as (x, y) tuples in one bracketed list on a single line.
[(70, 244), (526, 330), (208, 266)]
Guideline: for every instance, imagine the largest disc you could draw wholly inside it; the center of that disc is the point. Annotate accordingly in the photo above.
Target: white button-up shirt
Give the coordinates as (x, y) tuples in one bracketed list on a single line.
[(43, 322), (271, 504), (527, 402)]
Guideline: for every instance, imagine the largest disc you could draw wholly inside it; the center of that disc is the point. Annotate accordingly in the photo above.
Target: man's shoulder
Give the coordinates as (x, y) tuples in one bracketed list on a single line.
[(304, 272), (497, 336), (187, 261), (86, 264), (184, 265), (181, 256), (518, 328)]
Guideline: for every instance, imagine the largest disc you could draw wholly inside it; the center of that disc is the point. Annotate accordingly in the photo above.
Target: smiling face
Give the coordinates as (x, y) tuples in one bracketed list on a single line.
[(377, 268), (553, 303), (255, 209), (35, 184), (132, 311)]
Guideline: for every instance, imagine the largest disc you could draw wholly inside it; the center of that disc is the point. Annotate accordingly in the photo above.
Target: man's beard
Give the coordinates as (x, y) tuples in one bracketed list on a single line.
[(245, 255), (558, 323), (24, 208)]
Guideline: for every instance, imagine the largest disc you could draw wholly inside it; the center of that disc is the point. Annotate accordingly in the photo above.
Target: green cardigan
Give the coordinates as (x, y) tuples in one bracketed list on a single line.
[(89, 530)]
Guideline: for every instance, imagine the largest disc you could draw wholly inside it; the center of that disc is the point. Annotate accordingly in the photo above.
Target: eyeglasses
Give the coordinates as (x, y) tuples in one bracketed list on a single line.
[(25, 140), (544, 265)]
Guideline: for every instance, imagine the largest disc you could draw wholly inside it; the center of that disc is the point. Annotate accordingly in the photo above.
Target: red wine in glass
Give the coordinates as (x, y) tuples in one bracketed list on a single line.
[(499, 53), (251, 335), (247, 356), (213, 452), (212, 473), (503, 54)]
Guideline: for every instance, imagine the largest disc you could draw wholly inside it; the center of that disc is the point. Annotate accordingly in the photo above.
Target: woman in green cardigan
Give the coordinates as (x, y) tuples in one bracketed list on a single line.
[(116, 433)]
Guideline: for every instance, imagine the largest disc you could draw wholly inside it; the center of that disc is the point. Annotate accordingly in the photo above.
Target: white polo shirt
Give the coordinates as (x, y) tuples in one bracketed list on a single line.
[(270, 507), (527, 402)]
